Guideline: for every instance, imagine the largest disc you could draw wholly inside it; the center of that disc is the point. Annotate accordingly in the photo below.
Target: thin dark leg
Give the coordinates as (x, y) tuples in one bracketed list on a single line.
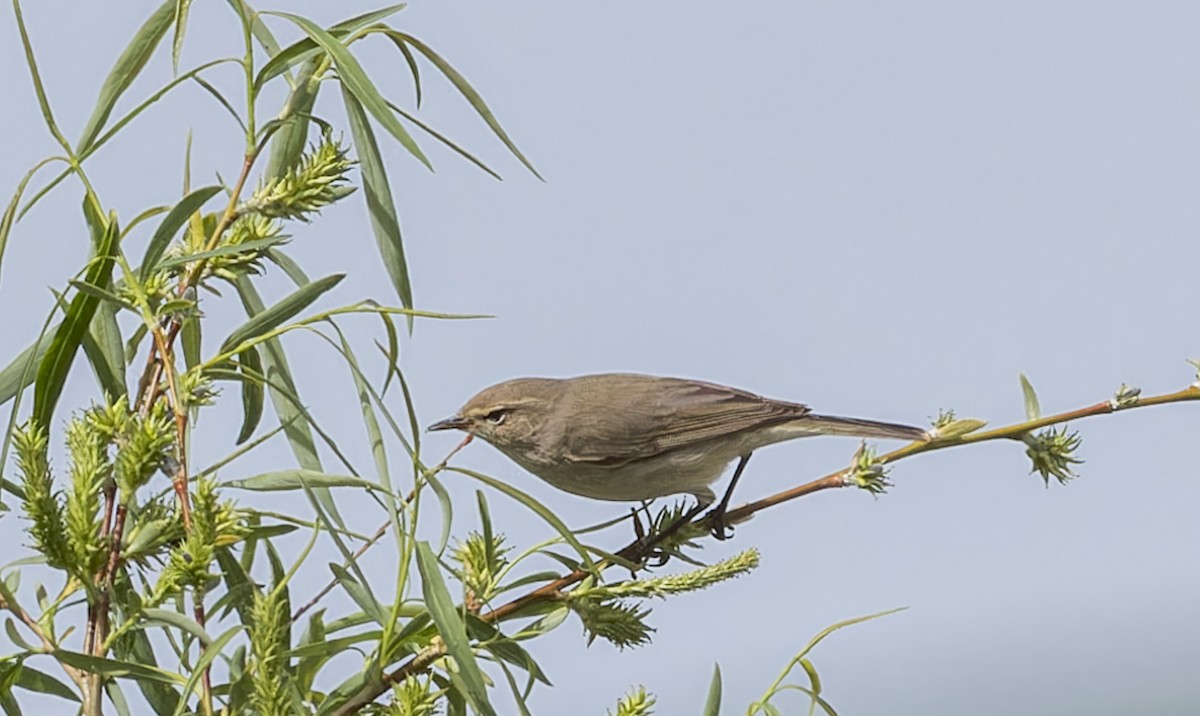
[(717, 516)]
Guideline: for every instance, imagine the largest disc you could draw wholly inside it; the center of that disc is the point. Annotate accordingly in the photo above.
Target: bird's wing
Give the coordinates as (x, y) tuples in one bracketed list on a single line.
[(623, 418)]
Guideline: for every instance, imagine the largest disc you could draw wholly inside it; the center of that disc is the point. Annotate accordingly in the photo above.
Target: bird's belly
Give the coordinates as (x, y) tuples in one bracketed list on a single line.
[(675, 472)]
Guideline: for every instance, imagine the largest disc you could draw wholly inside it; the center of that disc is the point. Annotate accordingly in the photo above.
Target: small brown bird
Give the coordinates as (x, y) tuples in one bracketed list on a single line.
[(634, 437)]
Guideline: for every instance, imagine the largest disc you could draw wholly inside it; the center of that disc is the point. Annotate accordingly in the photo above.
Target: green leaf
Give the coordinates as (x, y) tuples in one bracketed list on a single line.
[(162, 697), (10, 212), (460, 83), (452, 629), (360, 594), (170, 226), (52, 373), (22, 370), (412, 68), (216, 649), (352, 75), (287, 144), (381, 207), (391, 354), (813, 677), (33, 680), (190, 336), (179, 621), (1033, 410), (112, 688), (446, 141), (181, 17), (518, 695), (239, 590), (712, 706), (117, 669), (289, 266), (812, 643), (278, 314), (256, 245), (100, 293), (303, 50), (513, 653), (39, 89), (253, 394), (258, 28), (298, 479), (282, 387), (135, 56), (106, 351), (447, 506)]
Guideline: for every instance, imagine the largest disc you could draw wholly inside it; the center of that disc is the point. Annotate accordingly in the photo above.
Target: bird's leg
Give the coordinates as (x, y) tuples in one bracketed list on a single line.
[(717, 515), (639, 530)]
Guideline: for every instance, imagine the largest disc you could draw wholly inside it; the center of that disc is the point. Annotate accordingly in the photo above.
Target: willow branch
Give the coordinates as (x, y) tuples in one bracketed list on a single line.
[(639, 550)]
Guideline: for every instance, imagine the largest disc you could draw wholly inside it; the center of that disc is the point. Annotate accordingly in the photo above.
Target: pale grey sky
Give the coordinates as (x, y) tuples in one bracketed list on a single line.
[(881, 209)]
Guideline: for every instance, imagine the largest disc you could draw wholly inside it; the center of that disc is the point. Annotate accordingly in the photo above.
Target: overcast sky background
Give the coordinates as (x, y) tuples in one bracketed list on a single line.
[(880, 209)]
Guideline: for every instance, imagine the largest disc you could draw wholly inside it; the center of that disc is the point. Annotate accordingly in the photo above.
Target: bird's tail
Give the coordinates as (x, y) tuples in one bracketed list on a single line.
[(858, 428)]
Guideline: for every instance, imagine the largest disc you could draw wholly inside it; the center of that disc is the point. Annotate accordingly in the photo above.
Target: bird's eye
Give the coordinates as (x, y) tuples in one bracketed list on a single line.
[(496, 417)]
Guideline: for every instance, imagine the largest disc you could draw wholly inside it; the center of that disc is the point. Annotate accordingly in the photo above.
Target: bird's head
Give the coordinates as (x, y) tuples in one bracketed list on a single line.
[(509, 414)]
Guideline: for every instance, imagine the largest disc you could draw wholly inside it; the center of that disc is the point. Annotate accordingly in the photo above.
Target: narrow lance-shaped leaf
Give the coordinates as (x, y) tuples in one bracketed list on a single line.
[(452, 629), (170, 226), (163, 698), (381, 207), (255, 245), (303, 50), (190, 336), (182, 7), (115, 668), (352, 75), (281, 312), (105, 351), (35, 75), (102, 344), (52, 372), (282, 386), (214, 650), (253, 394), (10, 212), (34, 680), (20, 372), (360, 594), (1033, 410), (298, 479), (135, 56), (287, 144), (474, 98), (712, 706)]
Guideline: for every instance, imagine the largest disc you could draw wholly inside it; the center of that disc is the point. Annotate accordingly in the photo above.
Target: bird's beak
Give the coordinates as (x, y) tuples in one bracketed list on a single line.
[(455, 422)]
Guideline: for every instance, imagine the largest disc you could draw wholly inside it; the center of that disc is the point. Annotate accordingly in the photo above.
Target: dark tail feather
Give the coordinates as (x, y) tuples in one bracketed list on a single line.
[(855, 427)]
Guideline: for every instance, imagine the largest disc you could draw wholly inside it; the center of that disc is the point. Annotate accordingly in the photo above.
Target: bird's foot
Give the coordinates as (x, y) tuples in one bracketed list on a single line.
[(717, 525)]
